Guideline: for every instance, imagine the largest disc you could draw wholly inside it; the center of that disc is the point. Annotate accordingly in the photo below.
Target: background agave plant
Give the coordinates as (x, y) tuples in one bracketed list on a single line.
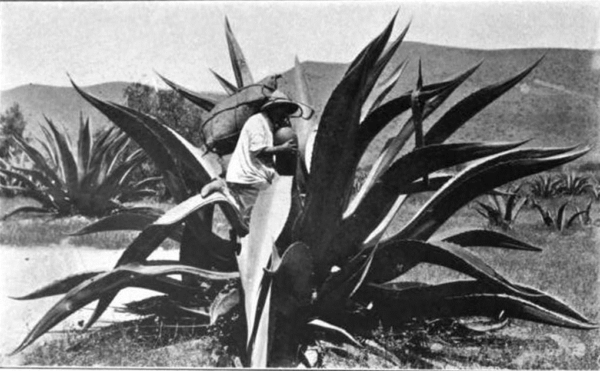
[(502, 209), (321, 258), (91, 179), (545, 186), (559, 219)]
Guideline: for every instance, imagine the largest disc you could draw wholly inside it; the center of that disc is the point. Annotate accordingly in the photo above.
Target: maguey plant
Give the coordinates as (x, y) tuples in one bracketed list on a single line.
[(92, 177), (313, 255), (502, 209)]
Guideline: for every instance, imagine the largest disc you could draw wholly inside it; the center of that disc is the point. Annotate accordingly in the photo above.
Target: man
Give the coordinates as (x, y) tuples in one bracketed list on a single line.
[(251, 167)]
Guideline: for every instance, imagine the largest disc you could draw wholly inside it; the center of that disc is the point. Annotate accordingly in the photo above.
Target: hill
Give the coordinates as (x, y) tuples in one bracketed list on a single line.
[(557, 104), (61, 104)]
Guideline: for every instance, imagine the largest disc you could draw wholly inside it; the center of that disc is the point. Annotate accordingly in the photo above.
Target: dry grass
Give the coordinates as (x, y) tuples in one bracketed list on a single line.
[(32, 230)]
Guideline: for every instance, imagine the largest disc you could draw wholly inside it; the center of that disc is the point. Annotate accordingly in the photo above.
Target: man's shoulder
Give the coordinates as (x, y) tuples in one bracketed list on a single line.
[(258, 120)]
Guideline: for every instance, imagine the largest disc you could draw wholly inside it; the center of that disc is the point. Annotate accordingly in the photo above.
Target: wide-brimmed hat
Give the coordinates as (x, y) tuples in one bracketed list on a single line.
[(279, 99)]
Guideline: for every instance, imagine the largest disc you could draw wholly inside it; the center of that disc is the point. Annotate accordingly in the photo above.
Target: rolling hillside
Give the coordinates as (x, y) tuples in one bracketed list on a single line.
[(557, 104)]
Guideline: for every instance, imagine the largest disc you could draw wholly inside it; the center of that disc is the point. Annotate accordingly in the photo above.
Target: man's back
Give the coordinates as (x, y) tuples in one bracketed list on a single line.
[(245, 166)]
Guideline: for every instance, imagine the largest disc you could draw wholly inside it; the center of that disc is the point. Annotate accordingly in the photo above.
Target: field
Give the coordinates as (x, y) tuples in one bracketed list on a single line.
[(568, 267)]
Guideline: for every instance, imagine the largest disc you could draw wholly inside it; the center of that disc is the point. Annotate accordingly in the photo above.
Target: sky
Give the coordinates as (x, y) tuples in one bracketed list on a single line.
[(98, 42)]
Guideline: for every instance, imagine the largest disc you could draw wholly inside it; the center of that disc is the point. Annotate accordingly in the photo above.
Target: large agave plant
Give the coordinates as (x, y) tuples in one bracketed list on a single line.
[(313, 253), (91, 179)]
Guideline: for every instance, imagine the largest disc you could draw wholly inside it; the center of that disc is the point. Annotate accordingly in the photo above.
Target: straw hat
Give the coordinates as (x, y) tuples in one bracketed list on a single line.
[(279, 99)]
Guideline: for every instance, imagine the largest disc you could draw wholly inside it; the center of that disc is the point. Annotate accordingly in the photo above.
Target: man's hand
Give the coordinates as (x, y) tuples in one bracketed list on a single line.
[(289, 146)]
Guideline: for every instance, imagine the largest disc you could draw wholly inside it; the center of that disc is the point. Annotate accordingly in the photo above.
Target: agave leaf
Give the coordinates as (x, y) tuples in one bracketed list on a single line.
[(292, 278), (489, 238), (376, 46), (342, 284), (84, 145), (68, 164), (32, 176), (201, 100), (304, 128), (395, 258), (127, 220), (112, 281), (384, 223), (416, 105), (146, 182), (58, 287), (545, 214), (386, 55), (223, 303), (229, 88), (28, 209), (27, 184), (143, 136), (154, 234), (434, 183), (204, 168), (543, 299), (39, 161), (243, 77), (268, 218), (328, 326), (394, 145), (574, 217), (493, 215), (469, 298), (113, 182), (514, 207), (374, 208), (332, 168), (480, 177), (382, 116), (49, 146), (470, 106), (40, 187), (383, 88), (560, 216)]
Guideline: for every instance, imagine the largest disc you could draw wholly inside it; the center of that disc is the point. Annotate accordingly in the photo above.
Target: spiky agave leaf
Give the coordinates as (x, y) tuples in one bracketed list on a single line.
[(560, 216), (292, 279), (201, 100), (469, 298), (39, 161), (269, 215), (380, 118), (383, 115), (380, 200), (154, 234), (58, 287), (129, 275), (332, 170), (27, 209), (126, 220), (487, 238), (480, 177), (243, 77), (67, 163), (145, 138), (229, 88), (84, 146), (464, 110), (383, 88), (32, 189), (305, 130), (393, 258)]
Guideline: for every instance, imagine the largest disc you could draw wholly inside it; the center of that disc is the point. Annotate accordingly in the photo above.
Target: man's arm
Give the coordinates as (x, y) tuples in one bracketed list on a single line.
[(288, 147)]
